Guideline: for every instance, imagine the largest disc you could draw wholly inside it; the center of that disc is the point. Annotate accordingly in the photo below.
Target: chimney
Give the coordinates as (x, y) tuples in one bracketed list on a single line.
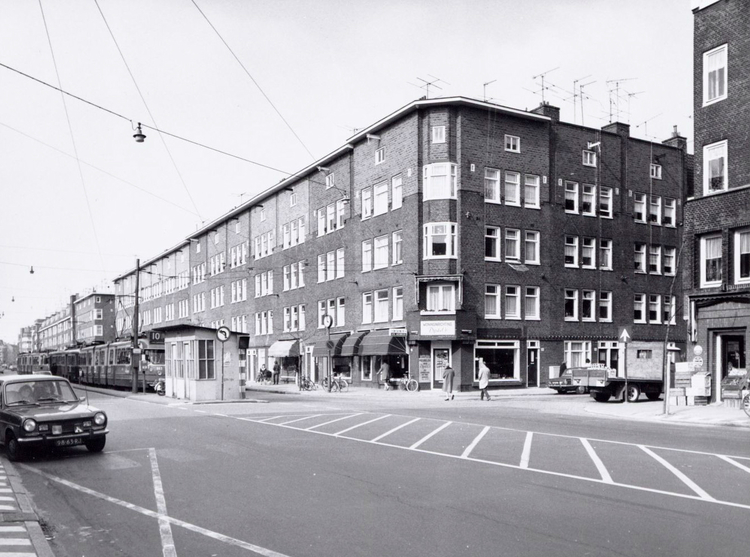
[(676, 140), (546, 109), (617, 128)]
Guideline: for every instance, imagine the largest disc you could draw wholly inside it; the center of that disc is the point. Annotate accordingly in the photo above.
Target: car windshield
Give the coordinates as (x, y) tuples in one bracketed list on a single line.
[(39, 392)]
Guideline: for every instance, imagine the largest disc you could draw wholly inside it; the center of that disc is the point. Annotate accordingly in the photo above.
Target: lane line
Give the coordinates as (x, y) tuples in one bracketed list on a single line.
[(475, 442), (603, 472), (265, 419), (14, 541), (360, 425), (265, 552), (298, 419), (426, 437), (732, 462), (687, 481), (387, 433), (333, 421), (526, 454), (165, 529), (12, 529)]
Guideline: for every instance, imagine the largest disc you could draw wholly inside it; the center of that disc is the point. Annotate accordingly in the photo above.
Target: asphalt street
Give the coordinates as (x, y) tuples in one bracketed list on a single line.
[(314, 476)]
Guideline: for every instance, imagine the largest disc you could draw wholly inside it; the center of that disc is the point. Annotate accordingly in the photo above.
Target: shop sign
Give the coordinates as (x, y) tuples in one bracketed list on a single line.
[(398, 332), (424, 368), (438, 328)]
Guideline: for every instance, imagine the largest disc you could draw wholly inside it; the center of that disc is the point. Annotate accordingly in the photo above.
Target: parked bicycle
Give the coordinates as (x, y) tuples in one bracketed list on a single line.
[(307, 384), (408, 383), (338, 383)]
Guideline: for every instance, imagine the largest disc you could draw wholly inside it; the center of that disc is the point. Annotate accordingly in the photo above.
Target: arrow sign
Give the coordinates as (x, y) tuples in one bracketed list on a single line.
[(624, 336)]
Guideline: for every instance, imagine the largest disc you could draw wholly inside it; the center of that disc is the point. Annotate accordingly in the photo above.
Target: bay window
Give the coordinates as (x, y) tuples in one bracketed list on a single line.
[(439, 240), (440, 181)]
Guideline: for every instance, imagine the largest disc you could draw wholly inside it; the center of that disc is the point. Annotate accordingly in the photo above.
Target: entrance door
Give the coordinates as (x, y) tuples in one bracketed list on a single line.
[(441, 357), (532, 362), (733, 354), (609, 354)]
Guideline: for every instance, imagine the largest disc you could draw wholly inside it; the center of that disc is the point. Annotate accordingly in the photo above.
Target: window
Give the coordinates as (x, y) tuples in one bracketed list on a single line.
[(588, 200), (366, 203), (397, 192), (605, 202), (512, 244), (492, 301), (715, 75), (322, 268), (492, 185), (531, 246), (330, 265), (439, 240), (711, 261), (531, 303), (293, 199), (571, 197), (655, 171), (398, 303), (440, 181), (492, 243), (438, 134), (512, 143), (639, 207), (398, 256), (640, 258), (605, 306), (639, 308), (654, 308), (669, 261), (512, 188), (605, 255), (262, 215), (380, 155), (571, 251), (441, 297), (381, 199), (588, 298), (577, 353), (670, 208), (366, 256), (588, 253), (531, 191), (589, 158), (742, 256), (206, 359), (668, 310), (381, 306), (715, 167), (571, 305), (340, 315), (654, 260), (197, 247), (654, 210), (513, 302), (381, 252), (330, 180)]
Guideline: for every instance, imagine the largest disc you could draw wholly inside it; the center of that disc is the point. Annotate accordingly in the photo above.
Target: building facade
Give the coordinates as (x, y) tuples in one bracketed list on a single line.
[(717, 210), (94, 318), (450, 230)]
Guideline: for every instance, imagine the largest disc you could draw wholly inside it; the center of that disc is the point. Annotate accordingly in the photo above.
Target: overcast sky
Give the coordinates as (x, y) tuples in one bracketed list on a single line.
[(81, 200)]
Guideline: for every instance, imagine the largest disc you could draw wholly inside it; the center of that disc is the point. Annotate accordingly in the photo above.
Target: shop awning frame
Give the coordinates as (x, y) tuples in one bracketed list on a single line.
[(351, 345), (320, 348), (284, 349), (381, 343)]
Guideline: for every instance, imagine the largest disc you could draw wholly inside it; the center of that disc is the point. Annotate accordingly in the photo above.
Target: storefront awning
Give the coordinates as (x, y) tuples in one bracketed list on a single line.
[(284, 349), (381, 343), (320, 348), (351, 345)]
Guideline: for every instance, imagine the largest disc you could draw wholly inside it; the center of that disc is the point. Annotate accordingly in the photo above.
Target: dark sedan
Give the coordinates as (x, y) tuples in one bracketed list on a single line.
[(44, 411)]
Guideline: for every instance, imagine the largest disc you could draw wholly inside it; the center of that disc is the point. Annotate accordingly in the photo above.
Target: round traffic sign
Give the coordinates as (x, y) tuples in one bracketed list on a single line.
[(223, 333)]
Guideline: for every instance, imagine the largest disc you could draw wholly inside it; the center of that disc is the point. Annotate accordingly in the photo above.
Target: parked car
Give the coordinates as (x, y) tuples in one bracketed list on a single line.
[(569, 382), (43, 411)]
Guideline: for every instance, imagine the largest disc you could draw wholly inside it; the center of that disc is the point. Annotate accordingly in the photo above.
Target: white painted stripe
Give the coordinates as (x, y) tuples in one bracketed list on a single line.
[(387, 433), (333, 421), (426, 437), (687, 481), (3, 498), (300, 419), (475, 442), (12, 529), (219, 414), (732, 462), (14, 541), (603, 472), (16, 554), (526, 454), (5, 490), (268, 419), (7, 508), (360, 425), (165, 529), (147, 512)]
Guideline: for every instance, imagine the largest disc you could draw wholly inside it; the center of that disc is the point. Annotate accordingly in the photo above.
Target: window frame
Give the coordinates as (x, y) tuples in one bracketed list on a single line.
[(723, 148), (704, 282), (438, 134), (447, 191), (428, 235), (512, 143), (573, 301), (722, 79), (737, 256), (492, 184), (588, 158), (571, 188)]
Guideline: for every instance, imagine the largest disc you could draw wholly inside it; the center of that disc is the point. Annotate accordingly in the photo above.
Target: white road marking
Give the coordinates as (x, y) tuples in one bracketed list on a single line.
[(7, 508), (606, 478), (475, 442), (265, 552), (360, 425), (267, 419), (333, 421), (732, 462), (526, 454), (298, 419), (687, 481), (165, 529), (14, 541), (426, 437), (12, 529), (379, 437)]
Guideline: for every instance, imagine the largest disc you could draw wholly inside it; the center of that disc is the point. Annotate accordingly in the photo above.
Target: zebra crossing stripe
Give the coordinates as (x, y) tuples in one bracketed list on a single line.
[(387, 433), (687, 481), (526, 454), (475, 442), (603, 472), (426, 437)]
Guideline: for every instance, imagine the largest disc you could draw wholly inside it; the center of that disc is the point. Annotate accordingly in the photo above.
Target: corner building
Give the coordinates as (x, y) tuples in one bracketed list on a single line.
[(717, 209), (450, 230)]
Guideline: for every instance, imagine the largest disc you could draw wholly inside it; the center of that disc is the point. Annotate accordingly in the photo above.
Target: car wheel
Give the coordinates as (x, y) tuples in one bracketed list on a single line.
[(96, 445), (14, 450), (581, 390), (652, 396)]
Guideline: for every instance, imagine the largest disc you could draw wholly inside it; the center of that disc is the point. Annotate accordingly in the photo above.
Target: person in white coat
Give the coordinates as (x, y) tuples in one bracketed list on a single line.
[(484, 379)]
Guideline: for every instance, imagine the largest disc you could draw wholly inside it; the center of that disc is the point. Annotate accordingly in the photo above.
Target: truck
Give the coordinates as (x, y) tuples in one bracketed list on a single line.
[(605, 383)]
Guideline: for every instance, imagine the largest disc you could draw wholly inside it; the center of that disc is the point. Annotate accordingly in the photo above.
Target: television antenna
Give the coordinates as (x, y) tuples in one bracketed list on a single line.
[(576, 82), (427, 84), (541, 75), (616, 102), (484, 89)]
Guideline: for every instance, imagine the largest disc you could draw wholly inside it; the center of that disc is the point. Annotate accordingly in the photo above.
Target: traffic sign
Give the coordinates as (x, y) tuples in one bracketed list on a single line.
[(624, 336), (223, 333)]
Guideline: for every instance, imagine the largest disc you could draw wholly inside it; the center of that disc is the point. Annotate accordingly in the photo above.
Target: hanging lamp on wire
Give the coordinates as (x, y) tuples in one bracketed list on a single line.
[(139, 136), (31, 271)]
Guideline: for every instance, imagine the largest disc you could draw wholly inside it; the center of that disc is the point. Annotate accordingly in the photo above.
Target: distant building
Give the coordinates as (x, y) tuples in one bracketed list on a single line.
[(717, 210), (94, 318)]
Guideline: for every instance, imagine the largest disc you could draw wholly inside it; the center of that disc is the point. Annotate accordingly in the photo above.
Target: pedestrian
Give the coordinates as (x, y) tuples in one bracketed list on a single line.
[(563, 367), (276, 372), (385, 374), (448, 375), (484, 380), (261, 373)]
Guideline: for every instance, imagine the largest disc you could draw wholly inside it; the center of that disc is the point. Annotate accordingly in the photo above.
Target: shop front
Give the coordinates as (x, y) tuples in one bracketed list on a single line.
[(384, 346), (326, 356), (286, 353)]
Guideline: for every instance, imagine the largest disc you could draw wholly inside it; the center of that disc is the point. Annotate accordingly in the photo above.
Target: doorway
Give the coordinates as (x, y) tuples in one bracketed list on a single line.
[(733, 354), (532, 363)]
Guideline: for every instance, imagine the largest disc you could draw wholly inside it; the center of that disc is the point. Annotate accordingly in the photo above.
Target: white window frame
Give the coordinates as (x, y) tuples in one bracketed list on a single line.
[(492, 236), (531, 191), (512, 143), (639, 304), (340, 265), (531, 247), (512, 188), (654, 260), (532, 303), (398, 303), (588, 196), (438, 134), (714, 61), (429, 234), (447, 190), (492, 292), (705, 283), (366, 256), (669, 212), (571, 246), (397, 192), (492, 185), (442, 292), (739, 251), (591, 248), (605, 202), (640, 201), (581, 349), (720, 148), (380, 199), (330, 180), (654, 307), (571, 195), (588, 158), (381, 305), (670, 259), (571, 294), (512, 244), (367, 203), (588, 298), (512, 293), (380, 155), (654, 210), (639, 257), (604, 311), (605, 254), (398, 248), (655, 171), (380, 252)]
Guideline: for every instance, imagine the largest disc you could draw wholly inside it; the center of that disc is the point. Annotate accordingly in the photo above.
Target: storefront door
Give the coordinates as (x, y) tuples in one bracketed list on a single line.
[(733, 356), (441, 357), (532, 362)]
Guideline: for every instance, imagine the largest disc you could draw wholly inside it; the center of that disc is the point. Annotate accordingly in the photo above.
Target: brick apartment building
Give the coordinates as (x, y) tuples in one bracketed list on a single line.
[(717, 210), (449, 230)]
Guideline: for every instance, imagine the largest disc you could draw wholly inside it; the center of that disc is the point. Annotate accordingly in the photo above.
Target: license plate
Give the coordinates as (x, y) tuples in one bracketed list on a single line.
[(68, 442)]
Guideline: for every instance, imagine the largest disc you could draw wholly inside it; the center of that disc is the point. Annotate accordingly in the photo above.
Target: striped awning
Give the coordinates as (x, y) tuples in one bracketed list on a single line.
[(284, 349), (381, 343)]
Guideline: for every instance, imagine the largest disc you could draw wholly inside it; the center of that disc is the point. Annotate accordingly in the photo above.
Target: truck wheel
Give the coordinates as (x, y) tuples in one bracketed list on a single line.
[(633, 393), (581, 390), (601, 397), (652, 396)]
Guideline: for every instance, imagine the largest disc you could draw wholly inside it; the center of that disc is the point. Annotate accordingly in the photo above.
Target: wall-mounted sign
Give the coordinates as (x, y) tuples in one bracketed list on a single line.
[(437, 328), (398, 332)]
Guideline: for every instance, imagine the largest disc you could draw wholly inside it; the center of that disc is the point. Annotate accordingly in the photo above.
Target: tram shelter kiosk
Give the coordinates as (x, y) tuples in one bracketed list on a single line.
[(201, 363)]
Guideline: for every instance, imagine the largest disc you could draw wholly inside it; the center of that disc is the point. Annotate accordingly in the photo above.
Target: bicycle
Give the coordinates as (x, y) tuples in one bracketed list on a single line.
[(408, 383), (307, 384), (746, 404), (338, 383)]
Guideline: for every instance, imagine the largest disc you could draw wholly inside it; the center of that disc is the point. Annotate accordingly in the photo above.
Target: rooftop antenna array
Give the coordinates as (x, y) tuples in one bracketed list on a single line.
[(616, 102), (541, 76), (484, 89), (575, 83), (427, 84)]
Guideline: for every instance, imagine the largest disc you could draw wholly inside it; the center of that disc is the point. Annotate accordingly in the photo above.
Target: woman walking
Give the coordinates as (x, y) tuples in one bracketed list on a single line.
[(448, 375)]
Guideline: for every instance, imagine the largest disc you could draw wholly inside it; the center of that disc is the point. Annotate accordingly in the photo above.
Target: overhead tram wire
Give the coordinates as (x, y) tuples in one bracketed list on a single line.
[(72, 139), (253, 80), (158, 130)]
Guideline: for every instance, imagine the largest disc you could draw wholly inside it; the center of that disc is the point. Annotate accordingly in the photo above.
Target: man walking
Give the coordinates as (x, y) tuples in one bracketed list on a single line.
[(484, 379)]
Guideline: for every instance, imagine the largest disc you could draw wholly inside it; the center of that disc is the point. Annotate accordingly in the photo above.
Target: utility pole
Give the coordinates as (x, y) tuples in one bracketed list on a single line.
[(136, 349)]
